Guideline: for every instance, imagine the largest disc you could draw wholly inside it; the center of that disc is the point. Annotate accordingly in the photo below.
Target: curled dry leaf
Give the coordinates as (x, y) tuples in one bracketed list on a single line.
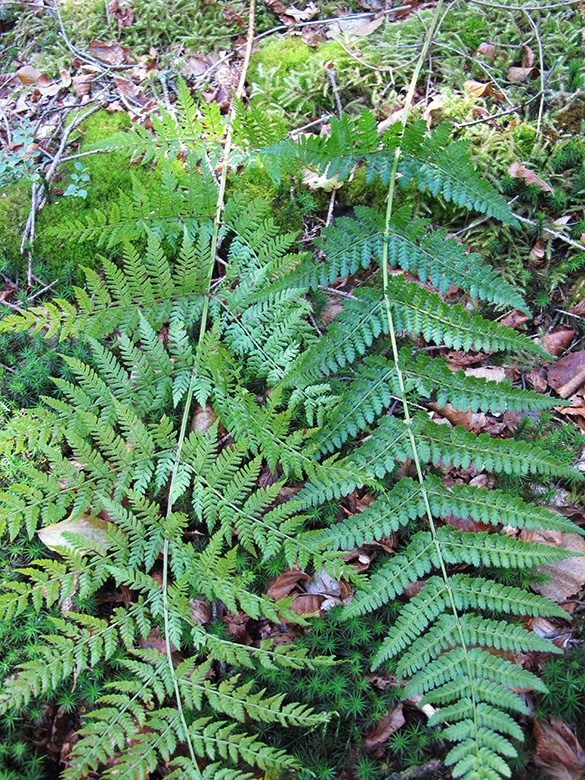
[(85, 527), (47, 86), (82, 83), (286, 582), (515, 318), (528, 59), (304, 15), (519, 75), (519, 171), (65, 77), (203, 419), (487, 49), (557, 341), (112, 52), (558, 752), (200, 612), (480, 89), (385, 727), (568, 373), (27, 74), (492, 373), (566, 577)]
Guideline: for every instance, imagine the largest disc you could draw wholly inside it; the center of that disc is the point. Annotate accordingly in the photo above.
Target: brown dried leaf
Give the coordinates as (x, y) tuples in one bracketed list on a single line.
[(538, 252), (519, 75), (557, 341), (579, 308), (567, 577), (515, 318), (369, 27), (286, 582), (65, 77), (111, 52), (519, 171), (307, 603), (82, 83), (558, 752), (27, 74), (565, 369), (203, 419), (305, 14), (480, 89), (528, 59), (492, 373), (200, 612), (385, 727), (93, 529), (473, 421), (487, 49), (47, 86)]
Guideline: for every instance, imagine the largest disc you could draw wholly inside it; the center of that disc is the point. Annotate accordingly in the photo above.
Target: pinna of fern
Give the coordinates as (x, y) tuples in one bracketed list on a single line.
[(118, 421)]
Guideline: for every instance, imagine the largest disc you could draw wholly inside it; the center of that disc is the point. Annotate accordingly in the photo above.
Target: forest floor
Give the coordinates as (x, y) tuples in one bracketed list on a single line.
[(509, 77)]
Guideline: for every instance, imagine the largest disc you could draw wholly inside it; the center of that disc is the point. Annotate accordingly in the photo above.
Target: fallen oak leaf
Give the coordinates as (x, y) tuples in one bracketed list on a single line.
[(566, 577), (557, 341), (27, 74), (519, 75), (519, 171), (47, 86), (385, 727), (81, 527), (558, 752)]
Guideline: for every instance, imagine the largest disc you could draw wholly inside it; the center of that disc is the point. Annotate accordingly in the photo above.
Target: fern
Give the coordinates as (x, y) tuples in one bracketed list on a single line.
[(299, 418)]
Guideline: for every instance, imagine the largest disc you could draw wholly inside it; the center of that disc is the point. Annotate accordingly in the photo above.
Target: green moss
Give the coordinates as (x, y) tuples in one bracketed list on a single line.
[(357, 191), (109, 174), (14, 209)]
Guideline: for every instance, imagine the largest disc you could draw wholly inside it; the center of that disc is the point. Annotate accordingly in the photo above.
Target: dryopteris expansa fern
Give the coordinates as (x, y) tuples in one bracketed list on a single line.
[(112, 447)]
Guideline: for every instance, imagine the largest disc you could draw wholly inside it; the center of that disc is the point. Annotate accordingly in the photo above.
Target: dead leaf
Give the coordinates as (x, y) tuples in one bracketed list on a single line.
[(515, 318), (65, 77), (316, 181), (566, 577), (47, 86), (82, 83), (558, 752), (434, 107), (27, 74), (203, 419), (519, 75), (565, 369), (578, 308), (307, 603), (304, 15), (368, 28), (519, 171), (538, 252), (92, 529), (487, 49), (472, 421), (481, 89), (112, 52), (385, 727), (491, 373), (537, 380), (154, 641), (200, 613), (557, 341), (528, 59), (286, 582)]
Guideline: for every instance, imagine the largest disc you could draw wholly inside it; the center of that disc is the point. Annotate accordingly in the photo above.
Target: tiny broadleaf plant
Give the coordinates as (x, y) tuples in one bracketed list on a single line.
[(116, 445)]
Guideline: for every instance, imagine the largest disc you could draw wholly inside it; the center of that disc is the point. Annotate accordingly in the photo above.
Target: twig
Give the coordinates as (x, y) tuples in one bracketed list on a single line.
[(108, 15), (82, 154), (323, 118), (542, 78), (505, 7), (553, 233), (40, 292), (333, 79), (478, 62)]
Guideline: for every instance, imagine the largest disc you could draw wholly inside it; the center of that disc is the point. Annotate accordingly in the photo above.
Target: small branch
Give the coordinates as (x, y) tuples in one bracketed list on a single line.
[(332, 78), (553, 233), (542, 78), (40, 292)]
